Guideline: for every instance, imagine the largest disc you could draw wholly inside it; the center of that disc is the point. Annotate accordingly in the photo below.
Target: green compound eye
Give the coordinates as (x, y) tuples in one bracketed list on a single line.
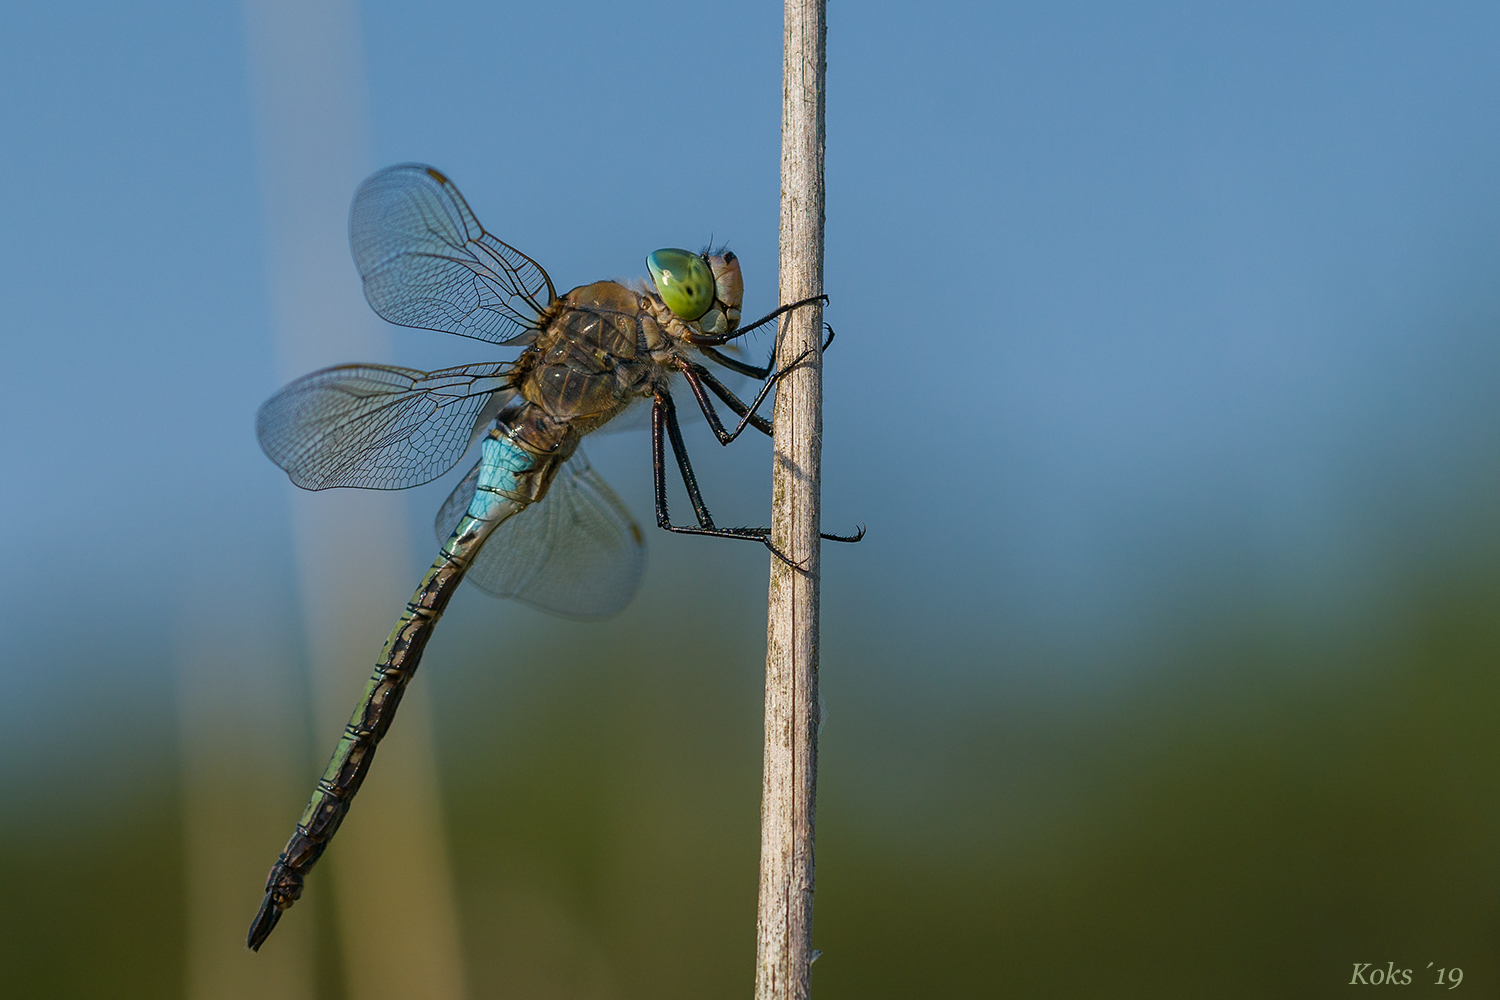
[(683, 281)]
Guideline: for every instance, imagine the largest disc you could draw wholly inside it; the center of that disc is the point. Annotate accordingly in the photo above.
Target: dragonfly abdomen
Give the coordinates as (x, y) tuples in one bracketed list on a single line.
[(510, 478)]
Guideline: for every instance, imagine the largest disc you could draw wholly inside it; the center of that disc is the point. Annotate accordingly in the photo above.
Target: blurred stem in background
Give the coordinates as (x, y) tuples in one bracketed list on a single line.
[(243, 764), (397, 923)]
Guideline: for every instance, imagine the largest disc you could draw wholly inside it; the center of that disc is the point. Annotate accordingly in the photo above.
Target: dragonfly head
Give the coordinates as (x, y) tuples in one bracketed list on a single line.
[(701, 288)]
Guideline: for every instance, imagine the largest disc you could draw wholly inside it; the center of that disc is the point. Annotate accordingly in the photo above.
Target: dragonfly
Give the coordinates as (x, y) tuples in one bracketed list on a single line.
[(531, 520)]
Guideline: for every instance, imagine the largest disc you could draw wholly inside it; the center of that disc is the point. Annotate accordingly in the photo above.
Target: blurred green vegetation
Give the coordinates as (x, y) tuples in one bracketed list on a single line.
[(1241, 806), (93, 899)]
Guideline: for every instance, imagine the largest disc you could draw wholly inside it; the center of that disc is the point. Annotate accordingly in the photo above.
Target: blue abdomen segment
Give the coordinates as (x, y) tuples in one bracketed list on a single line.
[(498, 492)]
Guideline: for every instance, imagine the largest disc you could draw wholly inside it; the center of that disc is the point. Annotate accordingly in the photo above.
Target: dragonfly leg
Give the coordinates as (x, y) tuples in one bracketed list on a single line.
[(698, 378), (736, 365), (754, 371), (715, 339), (664, 417)]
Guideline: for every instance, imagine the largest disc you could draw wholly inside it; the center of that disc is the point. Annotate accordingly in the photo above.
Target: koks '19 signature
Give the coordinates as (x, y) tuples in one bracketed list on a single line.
[(1365, 974)]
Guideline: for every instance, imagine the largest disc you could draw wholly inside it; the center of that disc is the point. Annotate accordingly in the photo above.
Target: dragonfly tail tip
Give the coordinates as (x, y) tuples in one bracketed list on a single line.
[(264, 923)]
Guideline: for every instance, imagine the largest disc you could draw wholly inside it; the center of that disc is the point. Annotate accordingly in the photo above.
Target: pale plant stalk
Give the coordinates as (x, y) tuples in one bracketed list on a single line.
[(784, 926)]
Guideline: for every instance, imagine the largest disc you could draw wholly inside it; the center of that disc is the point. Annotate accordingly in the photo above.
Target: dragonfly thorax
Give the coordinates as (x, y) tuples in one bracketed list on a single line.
[(597, 349)]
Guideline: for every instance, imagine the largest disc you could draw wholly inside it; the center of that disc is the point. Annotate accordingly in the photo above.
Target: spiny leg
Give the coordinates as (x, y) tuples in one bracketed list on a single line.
[(736, 365), (664, 417), (697, 376), (755, 371), (735, 403), (715, 339)]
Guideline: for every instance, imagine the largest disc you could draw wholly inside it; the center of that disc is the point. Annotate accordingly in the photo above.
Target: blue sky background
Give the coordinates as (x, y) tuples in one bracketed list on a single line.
[(1145, 311), (1126, 296)]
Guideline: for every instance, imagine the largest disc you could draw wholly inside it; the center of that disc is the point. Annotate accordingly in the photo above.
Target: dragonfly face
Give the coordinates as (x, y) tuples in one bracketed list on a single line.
[(531, 520)]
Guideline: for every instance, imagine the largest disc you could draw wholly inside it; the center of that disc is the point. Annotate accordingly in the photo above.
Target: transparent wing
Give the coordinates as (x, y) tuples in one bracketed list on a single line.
[(426, 261), (375, 426), (577, 552)]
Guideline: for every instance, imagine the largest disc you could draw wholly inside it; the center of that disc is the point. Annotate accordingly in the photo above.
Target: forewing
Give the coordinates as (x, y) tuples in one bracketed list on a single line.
[(375, 426), (426, 261), (577, 552)]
